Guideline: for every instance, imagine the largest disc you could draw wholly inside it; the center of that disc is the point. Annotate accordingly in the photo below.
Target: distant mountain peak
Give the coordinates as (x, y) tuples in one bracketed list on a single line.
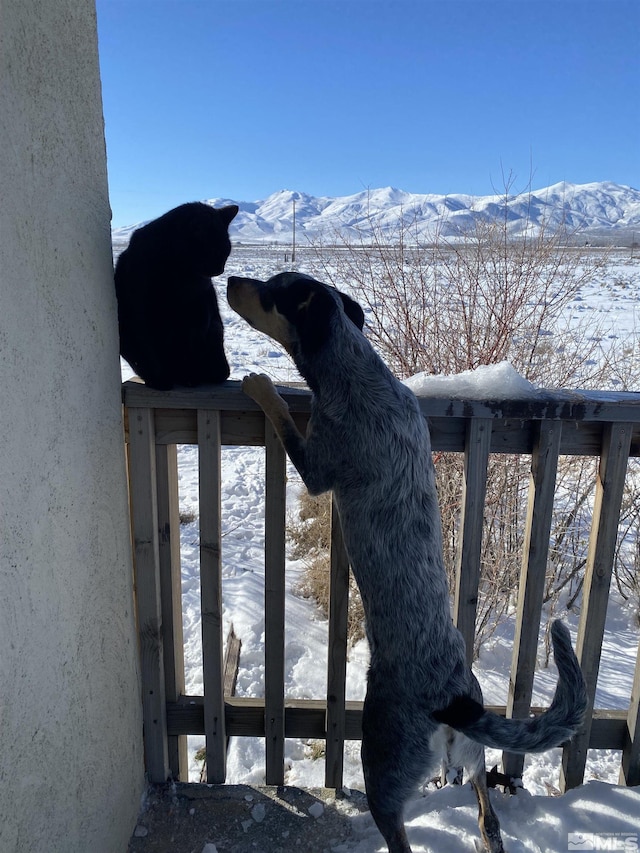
[(602, 210)]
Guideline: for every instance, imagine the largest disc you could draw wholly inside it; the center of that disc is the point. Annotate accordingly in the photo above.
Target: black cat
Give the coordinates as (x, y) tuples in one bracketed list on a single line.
[(170, 327)]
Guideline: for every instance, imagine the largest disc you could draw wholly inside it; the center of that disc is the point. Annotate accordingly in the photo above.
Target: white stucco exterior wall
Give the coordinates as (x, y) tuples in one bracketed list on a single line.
[(71, 762)]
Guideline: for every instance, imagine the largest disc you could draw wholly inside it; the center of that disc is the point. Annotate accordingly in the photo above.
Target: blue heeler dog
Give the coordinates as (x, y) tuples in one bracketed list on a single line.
[(369, 443)]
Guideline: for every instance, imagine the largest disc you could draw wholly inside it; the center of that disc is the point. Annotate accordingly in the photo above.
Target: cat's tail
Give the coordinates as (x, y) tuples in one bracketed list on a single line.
[(555, 726)]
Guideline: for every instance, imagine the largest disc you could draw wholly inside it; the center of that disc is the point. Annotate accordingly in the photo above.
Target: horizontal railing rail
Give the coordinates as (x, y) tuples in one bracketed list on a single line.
[(553, 424)]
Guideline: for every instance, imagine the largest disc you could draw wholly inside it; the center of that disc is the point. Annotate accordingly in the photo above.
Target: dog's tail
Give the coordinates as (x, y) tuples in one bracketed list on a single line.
[(555, 726)]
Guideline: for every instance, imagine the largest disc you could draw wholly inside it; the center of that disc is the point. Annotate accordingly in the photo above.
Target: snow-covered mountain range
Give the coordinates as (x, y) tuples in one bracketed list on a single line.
[(599, 211)]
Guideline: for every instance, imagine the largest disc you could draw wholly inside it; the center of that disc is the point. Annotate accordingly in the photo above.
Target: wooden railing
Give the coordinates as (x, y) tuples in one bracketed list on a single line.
[(600, 425)]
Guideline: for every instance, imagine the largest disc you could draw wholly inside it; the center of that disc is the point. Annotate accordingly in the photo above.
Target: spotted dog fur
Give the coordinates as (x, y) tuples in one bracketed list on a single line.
[(368, 442)]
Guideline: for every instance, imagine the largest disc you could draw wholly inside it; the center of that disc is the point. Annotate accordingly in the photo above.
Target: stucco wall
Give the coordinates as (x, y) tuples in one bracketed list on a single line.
[(71, 763)]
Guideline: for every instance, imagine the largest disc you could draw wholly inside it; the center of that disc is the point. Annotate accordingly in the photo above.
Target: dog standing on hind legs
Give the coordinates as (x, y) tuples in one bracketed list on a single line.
[(368, 442)]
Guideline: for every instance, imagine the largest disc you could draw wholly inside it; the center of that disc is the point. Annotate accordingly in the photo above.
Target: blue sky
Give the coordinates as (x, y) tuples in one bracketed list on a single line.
[(241, 98)]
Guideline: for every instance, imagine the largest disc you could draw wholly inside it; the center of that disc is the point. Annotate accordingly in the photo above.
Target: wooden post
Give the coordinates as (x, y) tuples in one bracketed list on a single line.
[(274, 593), (144, 514), (337, 655), (476, 457), (544, 467), (616, 443), (171, 594), (209, 464), (630, 769)]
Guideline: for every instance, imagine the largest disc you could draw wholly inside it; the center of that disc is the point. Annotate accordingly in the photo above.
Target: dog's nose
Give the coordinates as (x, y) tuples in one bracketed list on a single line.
[(236, 287), (232, 284)]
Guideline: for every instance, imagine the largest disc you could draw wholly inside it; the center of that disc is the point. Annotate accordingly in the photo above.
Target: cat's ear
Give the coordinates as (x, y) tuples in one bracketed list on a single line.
[(227, 213)]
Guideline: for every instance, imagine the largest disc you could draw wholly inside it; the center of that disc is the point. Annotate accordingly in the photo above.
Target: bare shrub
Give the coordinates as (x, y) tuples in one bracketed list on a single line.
[(479, 297), (311, 531), (627, 560), (310, 534), (316, 750), (476, 298)]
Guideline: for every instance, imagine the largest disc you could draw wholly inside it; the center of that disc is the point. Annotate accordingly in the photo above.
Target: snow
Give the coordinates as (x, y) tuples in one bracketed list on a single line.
[(487, 382), (444, 819), (596, 816)]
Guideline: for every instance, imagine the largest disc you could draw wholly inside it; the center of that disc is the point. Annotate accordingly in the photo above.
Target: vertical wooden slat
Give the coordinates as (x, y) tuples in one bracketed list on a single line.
[(154, 510), (209, 465), (337, 656), (602, 542), (144, 514), (630, 769), (544, 467), (274, 595), (171, 594), (476, 457)]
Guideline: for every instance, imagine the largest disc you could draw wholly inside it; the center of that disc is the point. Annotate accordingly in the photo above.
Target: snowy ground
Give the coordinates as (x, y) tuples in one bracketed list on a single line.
[(531, 821)]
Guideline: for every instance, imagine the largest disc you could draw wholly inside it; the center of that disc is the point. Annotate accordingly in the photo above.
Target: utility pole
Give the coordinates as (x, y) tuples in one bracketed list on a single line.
[(293, 250)]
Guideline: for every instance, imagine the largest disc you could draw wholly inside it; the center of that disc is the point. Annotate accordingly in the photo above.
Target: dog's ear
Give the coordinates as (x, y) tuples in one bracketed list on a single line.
[(309, 306), (314, 310), (353, 311)]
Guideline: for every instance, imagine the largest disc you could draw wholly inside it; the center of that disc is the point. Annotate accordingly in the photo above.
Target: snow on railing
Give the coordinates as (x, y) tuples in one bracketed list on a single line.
[(544, 426)]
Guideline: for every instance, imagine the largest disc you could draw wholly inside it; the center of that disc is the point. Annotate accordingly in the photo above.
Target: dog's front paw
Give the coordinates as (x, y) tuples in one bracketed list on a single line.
[(259, 387)]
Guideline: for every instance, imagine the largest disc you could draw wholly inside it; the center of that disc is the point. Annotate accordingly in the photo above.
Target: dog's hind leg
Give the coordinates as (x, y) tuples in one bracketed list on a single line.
[(487, 818), (472, 755), (385, 796), (396, 756)]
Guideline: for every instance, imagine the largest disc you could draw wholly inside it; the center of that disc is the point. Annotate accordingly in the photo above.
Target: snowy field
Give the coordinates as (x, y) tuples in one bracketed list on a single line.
[(597, 816)]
